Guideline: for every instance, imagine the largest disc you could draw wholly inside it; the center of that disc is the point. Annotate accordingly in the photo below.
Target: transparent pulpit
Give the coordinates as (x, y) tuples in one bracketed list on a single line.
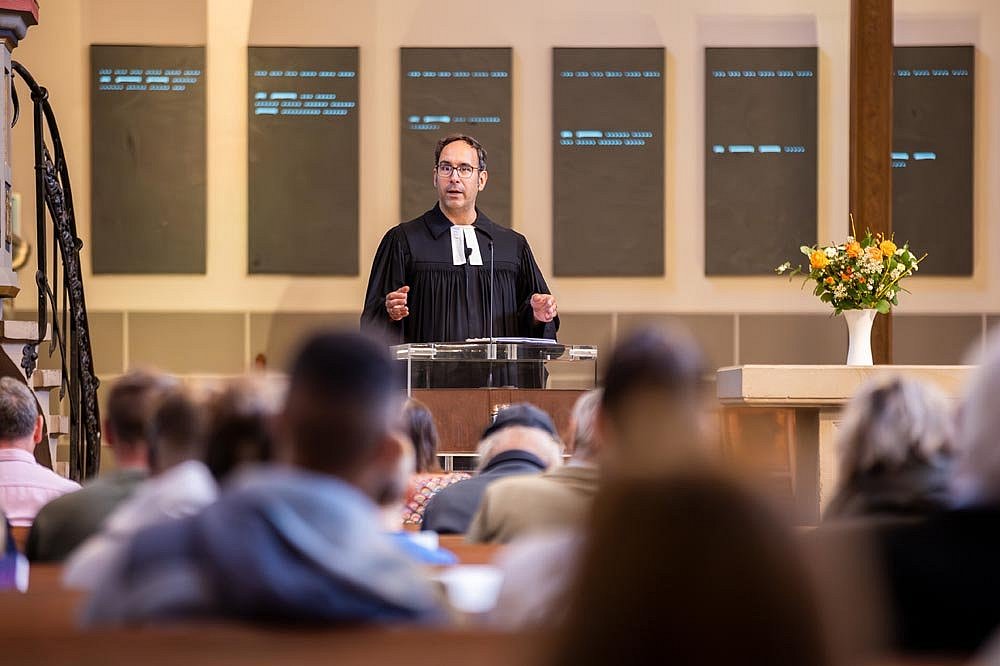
[(465, 384)]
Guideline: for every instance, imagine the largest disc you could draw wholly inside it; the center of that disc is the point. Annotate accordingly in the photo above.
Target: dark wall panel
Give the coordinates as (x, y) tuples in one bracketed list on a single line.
[(303, 151), (608, 194), (147, 125), (933, 103), (455, 91), (760, 157)]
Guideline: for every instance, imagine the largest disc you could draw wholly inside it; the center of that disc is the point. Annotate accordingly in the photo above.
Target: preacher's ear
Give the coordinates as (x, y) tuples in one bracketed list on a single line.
[(483, 177)]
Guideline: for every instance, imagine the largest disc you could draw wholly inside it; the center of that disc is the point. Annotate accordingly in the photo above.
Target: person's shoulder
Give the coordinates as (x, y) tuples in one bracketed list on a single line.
[(61, 483), (418, 222), (500, 231), (515, 485)]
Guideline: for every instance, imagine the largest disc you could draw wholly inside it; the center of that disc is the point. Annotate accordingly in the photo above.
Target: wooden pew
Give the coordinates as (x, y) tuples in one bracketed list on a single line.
[(469, 553), (20, 535)]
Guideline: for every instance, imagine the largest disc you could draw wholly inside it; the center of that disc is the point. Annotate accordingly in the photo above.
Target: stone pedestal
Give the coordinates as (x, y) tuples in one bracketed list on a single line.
[(817, 393)]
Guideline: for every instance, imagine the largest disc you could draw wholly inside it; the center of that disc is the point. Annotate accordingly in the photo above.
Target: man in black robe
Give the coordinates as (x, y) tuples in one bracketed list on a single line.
[(431, 277)]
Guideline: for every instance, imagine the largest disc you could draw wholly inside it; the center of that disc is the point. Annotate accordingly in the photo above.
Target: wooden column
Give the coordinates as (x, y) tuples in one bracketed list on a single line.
[(871, 134)]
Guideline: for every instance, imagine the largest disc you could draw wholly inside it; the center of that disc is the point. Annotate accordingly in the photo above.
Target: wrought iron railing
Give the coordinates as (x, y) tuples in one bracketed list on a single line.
[(70, 330)]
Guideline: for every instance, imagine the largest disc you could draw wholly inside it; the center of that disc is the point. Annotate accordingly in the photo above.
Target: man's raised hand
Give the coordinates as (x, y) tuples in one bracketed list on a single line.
[(544, 307), (395, 303)]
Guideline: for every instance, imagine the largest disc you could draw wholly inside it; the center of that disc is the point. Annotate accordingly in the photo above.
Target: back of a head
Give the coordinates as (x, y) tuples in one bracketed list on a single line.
[(977, 473), (419, 424), (718, 580), (652, 403), (132, 402), (895, 423), (536, 441), (241, 428), (18, 410), (344, 397), (178, 428)]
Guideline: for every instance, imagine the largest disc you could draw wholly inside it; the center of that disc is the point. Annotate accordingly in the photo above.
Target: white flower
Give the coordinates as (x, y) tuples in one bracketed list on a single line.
[(784, 267), (831, 252)]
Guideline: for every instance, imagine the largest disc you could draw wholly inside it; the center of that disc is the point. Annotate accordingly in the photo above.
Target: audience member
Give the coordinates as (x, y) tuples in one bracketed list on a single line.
[(896, 443), (428, 479), (650, 418), (652, 414), (941, 573), (557, 499), (241, 425), (181, 486), (718, 581), (25, 486), (300, 542), (64, 523), (522, 440)]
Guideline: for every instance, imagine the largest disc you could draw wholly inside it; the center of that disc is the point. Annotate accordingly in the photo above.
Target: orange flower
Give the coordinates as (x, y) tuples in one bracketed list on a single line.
[(845, 276), (829, 280), (818, 260), (854, 249), (874, 254)]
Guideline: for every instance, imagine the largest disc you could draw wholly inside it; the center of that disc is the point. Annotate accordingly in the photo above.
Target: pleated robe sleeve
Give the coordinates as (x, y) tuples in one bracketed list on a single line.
[(388, 274), (530, 282)]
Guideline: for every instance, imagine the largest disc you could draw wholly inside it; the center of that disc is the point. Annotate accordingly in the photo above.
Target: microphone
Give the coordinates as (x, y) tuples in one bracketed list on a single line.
[(402, 277), (491, 292)]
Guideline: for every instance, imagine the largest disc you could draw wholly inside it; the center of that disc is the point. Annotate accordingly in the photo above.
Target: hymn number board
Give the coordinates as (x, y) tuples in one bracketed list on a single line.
[(455, 91), (932, 176), (303, 154), (607, 166), (147, 122), (760, 157)]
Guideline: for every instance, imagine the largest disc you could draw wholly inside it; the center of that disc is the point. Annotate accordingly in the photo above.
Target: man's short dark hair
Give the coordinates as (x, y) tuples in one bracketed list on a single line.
[(452, 138), (177, 428), (662, 360), (18, 409), (345, 394), (132, 402)]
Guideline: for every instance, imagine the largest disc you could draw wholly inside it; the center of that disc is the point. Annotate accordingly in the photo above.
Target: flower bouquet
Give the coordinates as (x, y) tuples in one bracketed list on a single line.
[(858, 274), (859, 278)]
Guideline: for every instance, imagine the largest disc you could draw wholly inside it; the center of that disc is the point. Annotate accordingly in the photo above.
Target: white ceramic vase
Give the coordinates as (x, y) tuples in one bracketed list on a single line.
[(859, 331)]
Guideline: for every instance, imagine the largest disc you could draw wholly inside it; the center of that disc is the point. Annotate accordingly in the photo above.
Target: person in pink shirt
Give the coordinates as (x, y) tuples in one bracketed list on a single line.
[(25, 486)]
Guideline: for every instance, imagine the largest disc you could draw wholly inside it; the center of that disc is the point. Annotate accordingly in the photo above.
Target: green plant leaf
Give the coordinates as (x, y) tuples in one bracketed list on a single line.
[(883, 306)]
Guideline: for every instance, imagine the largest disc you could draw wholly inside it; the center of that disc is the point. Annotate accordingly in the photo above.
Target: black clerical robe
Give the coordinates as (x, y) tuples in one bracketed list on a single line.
[(451, 303)]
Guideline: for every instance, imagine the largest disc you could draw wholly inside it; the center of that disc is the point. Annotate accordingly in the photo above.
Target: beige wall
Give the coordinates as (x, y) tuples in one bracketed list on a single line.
[(56, 53)]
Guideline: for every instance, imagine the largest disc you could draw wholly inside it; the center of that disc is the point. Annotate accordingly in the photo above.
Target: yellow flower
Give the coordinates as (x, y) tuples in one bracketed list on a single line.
[(874, 253), (888, 248), (818, 260), (854, 249)]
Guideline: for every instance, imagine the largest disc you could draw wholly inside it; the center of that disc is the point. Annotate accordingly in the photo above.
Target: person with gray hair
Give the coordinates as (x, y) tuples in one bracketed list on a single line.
[(558, 499), (521, 440), (940, 573), (25, 486), (897, 443)]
